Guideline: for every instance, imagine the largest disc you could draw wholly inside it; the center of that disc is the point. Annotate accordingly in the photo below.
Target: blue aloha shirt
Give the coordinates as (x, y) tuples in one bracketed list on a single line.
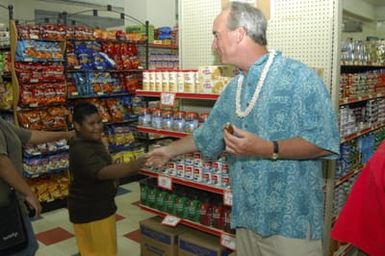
[(282, 197)]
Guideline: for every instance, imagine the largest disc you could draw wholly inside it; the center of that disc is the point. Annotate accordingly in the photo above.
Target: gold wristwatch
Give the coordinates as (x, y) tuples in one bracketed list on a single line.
[(275, 154)]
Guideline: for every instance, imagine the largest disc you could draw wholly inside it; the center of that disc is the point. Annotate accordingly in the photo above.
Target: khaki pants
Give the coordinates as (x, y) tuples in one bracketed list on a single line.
[(251, 244)]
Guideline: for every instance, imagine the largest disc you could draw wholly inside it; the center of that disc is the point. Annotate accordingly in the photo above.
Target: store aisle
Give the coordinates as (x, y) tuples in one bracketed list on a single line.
[(55, 233)]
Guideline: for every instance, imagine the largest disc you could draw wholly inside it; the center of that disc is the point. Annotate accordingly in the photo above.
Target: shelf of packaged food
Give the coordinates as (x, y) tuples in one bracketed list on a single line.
[(189, 223), (53, 204), (75, 95), (166, 133), (349, 100), (37, 38), (36, 175), (187, 183), (347, 176), (180, 95), (126, 147), (163, 46), (5, 48), (79, 70), (6, 75), (131, 120), (362, 132), (344, 64)]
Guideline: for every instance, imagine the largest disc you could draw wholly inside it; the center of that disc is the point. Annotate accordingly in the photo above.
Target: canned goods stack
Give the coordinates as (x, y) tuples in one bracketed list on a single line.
[(194, 168)]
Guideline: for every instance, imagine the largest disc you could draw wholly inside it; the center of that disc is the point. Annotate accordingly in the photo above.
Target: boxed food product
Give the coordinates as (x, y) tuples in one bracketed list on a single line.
[(213, 79), (195, 243), (157, 239), (141, 29)]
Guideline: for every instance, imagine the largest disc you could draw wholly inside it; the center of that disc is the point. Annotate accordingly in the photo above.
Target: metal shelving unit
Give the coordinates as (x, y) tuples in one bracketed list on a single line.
[(179, 95), (188, 183)]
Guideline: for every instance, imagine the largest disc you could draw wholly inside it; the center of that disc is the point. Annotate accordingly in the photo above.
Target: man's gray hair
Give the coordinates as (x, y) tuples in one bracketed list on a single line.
[(250, 18)]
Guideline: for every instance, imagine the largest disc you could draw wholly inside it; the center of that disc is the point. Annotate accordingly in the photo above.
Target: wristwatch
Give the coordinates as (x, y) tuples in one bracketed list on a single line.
[(275, 154)]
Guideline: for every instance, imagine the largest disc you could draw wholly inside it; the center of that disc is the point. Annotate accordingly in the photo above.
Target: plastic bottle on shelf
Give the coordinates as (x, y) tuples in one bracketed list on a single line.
[(206, 210), (218, 215)]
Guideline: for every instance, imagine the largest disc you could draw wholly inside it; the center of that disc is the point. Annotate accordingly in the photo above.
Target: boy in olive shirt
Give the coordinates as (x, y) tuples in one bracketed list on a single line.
[(91, 203)]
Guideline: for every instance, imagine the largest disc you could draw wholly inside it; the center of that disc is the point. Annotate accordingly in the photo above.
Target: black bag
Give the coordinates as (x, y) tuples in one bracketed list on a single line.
[(13, 235)]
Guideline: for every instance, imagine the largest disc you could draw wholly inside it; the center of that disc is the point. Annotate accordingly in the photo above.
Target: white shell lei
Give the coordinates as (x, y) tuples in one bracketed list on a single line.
[(261, 81)]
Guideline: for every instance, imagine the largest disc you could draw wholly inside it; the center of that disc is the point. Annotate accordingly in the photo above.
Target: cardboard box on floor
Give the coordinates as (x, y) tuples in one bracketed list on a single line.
[(195, 243), (157, 239)]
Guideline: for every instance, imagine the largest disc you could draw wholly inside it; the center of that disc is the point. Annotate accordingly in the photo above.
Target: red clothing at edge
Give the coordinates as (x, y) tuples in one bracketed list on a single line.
[(362, 219)]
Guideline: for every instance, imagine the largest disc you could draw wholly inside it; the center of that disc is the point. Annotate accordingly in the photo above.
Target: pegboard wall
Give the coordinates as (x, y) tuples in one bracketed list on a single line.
[(304, 30), (195, 32), (301, 29)]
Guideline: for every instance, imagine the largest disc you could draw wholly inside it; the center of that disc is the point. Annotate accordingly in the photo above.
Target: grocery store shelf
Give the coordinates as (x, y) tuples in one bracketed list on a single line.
[(74, 95), (54, 204), (347, 177), (188, 223), (162, 132), (360, 133), (180, 95), (37, 175), (343, 250), (79, 70), (348, 100), (187, 183), (5, 48), (163, 46)]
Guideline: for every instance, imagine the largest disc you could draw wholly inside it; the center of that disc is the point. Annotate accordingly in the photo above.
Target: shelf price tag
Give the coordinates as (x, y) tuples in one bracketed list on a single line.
[(228, 241), (170, 220), (165, 182), (167, 99), (228, 198)]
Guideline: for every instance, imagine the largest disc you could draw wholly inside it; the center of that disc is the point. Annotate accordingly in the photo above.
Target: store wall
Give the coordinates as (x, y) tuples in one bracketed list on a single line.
[(359, 8), (372, 18), (25, 10), (158, 13)]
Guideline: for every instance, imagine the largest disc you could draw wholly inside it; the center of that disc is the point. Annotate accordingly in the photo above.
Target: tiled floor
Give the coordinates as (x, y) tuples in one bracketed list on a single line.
[(55, 234)]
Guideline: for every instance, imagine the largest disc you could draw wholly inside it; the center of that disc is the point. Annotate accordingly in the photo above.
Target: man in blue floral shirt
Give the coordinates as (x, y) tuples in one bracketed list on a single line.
[(283, 126)]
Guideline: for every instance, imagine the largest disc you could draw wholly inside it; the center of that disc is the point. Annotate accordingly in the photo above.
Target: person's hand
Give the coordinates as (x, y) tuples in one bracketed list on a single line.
[(139, 162), (158, 157), (33, 203), (244, 143)]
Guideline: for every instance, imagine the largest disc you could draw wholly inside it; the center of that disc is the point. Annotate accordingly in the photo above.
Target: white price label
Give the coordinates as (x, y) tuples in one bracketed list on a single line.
[(228, 198), (228, 241), (167, 98), (170, 220), (165, 182)]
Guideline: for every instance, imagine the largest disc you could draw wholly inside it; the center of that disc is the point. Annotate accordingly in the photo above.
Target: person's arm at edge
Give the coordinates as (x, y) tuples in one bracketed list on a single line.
[(182, 146), (10, 175), (160, 156), (117, 171), (38, 137)]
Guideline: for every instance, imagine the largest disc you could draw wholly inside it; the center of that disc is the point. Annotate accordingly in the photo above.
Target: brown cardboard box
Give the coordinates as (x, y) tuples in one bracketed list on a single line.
[(157, 239), (195, 243)]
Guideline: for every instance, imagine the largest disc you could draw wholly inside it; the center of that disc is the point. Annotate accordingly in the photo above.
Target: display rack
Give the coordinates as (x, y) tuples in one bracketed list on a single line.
[(179, 95), (17, 107), (166, 133), (188, 183), (166, 181), (189, 223)]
